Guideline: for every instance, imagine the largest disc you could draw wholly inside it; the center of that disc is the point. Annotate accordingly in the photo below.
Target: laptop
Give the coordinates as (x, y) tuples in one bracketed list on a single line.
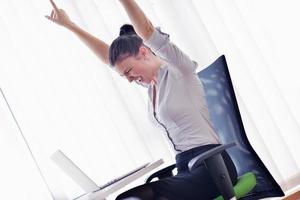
[(80, 178)]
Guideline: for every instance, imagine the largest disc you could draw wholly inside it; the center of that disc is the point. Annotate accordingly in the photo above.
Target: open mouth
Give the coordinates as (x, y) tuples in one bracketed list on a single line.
[(140, 80)]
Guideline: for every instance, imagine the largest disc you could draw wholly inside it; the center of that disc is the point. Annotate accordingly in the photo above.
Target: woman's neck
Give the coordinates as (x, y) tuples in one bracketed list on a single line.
[(157, 62)]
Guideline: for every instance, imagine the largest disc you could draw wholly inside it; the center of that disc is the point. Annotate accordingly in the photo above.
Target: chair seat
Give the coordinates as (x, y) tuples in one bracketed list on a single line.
[(243, 186)]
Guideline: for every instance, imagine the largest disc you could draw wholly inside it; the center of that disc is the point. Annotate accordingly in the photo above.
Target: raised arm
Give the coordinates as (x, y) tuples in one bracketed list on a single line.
[(139, 20), (99, 47)]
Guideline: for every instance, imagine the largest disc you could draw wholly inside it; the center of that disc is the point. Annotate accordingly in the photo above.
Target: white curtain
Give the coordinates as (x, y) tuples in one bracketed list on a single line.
[(57, 95)]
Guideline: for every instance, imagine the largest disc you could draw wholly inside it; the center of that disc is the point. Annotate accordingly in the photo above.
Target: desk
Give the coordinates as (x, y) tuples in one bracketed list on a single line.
[(102, 194)]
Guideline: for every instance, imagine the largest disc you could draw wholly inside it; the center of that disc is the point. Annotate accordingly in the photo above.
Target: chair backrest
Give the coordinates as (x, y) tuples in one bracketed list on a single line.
[(226, 119)]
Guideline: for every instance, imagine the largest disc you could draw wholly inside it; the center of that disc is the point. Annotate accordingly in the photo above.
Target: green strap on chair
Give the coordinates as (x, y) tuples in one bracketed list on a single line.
[(243, 186)]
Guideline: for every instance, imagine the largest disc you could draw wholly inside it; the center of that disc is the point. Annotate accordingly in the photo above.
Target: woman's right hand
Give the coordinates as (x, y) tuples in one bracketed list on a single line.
[(59, 16)]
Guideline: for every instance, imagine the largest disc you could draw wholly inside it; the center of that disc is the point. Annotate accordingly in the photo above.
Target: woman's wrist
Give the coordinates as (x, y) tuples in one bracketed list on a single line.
[(71, 26)]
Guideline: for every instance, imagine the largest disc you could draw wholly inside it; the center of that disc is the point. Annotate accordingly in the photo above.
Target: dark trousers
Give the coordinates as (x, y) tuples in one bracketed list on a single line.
[(186, 185)]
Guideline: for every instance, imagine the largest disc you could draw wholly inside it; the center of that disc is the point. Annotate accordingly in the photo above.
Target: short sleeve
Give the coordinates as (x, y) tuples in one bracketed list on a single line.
[(161, 45)]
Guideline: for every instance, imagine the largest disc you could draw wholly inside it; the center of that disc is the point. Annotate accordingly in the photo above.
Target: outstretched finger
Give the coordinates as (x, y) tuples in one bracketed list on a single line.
[(54, 5)]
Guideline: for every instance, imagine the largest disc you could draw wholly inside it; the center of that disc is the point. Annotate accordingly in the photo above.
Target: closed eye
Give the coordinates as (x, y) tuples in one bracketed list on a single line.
[(127, 72)]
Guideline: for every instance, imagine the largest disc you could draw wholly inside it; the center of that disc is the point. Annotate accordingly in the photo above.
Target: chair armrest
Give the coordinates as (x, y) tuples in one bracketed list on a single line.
[(163, 173), (198, 160), (217, 169)]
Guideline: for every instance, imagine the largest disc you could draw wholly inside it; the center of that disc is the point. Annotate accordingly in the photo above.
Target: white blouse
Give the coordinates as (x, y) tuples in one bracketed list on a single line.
[(180, 105)]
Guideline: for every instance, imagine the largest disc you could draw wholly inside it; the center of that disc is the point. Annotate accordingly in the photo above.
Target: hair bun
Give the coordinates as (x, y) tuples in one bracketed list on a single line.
[(127, 29)]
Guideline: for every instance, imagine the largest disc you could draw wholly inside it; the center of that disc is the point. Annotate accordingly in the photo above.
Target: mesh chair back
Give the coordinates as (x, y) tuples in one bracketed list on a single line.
[(226, 118)]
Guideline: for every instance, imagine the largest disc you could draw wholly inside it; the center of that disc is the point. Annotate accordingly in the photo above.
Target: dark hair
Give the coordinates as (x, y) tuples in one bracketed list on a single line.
[(127, 29), (124, 46)]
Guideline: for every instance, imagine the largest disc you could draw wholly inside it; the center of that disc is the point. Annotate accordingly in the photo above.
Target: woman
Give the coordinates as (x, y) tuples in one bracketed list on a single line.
[(176, 100)]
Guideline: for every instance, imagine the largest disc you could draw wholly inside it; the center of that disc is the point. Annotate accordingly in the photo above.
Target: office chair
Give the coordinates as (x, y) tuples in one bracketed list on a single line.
[(254, 181)]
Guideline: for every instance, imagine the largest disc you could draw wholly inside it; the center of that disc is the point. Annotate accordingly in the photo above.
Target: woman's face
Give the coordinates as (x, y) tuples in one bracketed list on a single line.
[(137, 68)]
